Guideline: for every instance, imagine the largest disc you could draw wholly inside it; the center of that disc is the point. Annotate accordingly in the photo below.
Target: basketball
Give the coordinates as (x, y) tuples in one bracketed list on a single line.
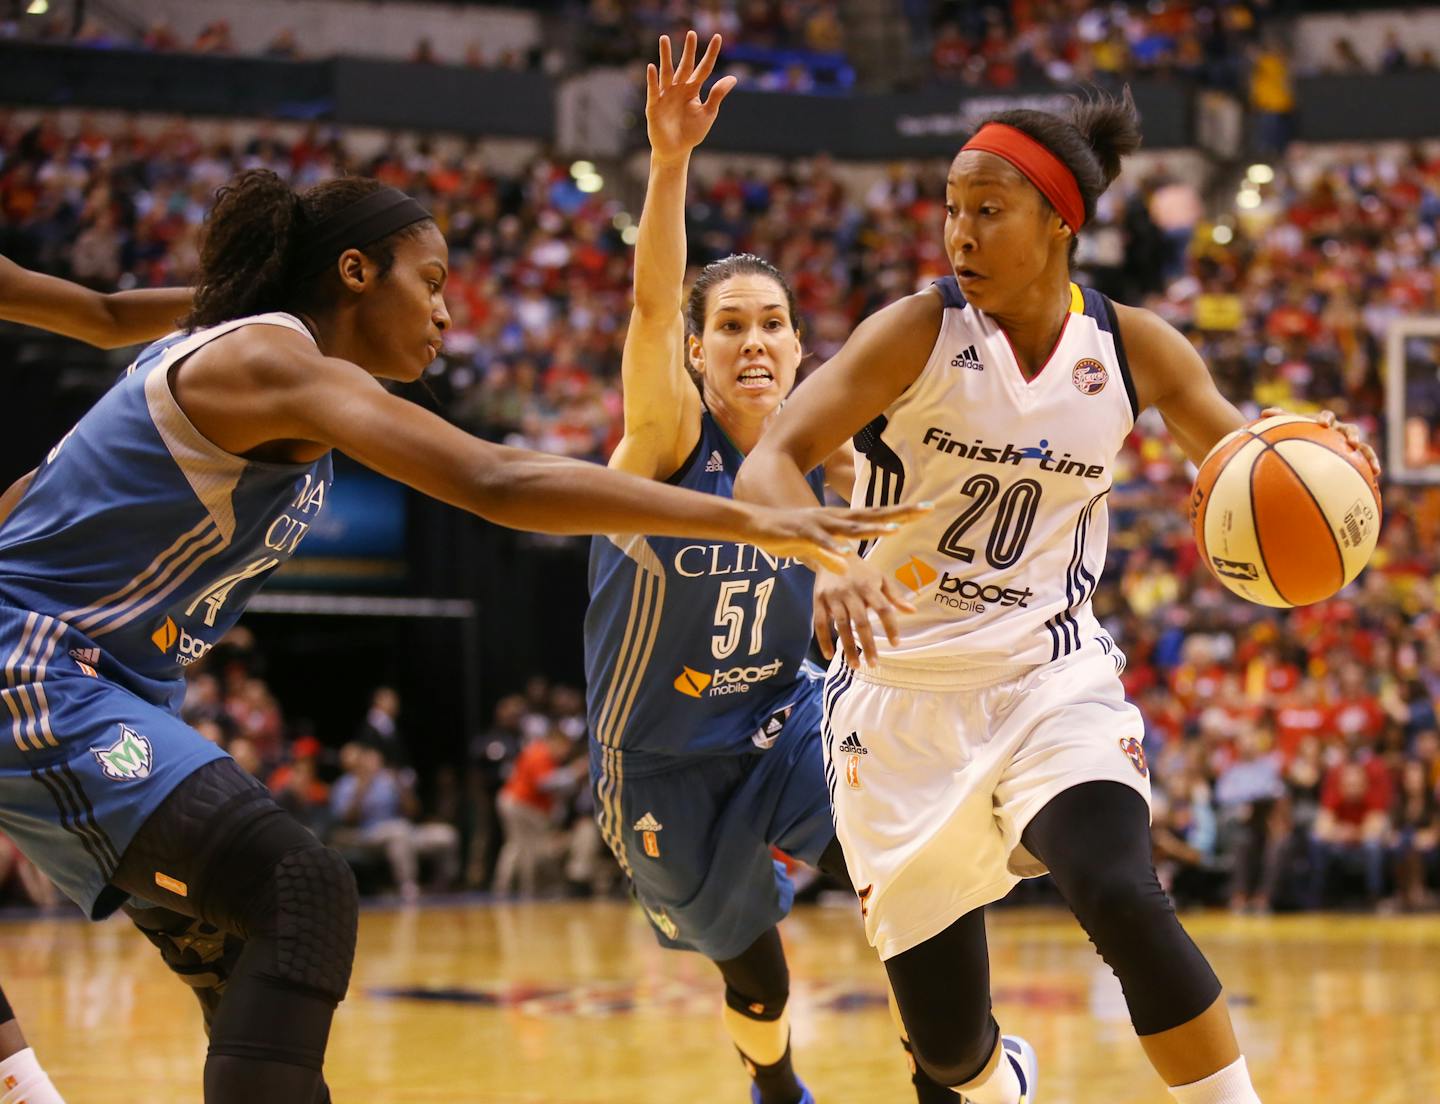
[(1285, 512)]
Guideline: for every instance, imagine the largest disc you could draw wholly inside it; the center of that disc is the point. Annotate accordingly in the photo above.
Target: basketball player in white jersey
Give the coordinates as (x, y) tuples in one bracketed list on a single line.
[(992, 740), (107, 321)]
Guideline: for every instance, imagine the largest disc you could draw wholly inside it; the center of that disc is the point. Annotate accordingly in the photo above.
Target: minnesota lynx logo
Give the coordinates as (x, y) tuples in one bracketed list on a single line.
[(127, 759)]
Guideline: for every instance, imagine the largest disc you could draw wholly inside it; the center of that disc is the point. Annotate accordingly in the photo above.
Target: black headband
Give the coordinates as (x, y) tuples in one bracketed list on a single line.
[(367, 220)]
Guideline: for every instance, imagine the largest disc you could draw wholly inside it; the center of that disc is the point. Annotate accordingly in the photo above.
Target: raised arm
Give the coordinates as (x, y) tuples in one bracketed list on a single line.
[(662, 405), (107, 321)]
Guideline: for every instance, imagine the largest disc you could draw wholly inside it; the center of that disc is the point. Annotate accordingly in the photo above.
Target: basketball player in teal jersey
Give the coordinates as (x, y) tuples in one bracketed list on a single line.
[(108, 321), (141, 537), (990, 739), (704, 714)]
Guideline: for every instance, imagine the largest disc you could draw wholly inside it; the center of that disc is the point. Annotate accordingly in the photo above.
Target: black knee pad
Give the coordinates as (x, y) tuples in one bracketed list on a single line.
[(1095, 838), (307, 911), (956, 1058), (299, 922), (247, 868), (757, 982)]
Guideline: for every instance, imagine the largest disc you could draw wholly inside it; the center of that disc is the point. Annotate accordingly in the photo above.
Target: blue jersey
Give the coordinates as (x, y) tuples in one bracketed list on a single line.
[(695, 648), (139, 541)]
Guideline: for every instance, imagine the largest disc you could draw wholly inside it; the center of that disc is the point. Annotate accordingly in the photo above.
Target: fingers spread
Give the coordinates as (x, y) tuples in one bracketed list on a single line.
[(718, 91), (860, 618), (824, 633), (893, 596), (687, 58), (847, 639), (707, 63)]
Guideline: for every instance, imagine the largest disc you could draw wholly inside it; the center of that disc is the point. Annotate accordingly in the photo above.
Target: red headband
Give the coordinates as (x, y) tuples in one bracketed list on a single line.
[(1039, 166)]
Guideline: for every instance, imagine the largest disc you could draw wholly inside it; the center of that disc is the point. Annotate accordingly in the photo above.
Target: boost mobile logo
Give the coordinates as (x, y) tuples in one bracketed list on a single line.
[(692, 683), (734, 680), (191, 647), (917, 574)]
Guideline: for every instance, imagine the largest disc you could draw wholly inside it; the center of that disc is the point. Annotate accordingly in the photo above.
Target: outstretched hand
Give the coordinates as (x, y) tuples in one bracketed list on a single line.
[(676, 118), (821, 536)]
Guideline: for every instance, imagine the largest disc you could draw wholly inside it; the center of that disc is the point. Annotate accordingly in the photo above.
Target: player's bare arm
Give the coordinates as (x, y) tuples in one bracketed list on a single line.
[(107, 321), (1170, 376), (662, 404), (273, 386)]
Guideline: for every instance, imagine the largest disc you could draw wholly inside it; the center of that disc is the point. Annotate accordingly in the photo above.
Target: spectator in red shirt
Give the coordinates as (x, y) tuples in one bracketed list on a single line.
[(298, 788), (525, 804), (1356, 713), (1351, 829), (1299, 717)]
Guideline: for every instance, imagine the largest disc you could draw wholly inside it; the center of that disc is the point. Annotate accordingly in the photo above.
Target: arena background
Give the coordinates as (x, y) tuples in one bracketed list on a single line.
[(1283, 214)]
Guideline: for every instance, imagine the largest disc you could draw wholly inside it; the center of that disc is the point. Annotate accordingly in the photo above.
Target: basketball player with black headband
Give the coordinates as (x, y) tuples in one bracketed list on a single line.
[(991, 741), (142, 535), (108, 321)]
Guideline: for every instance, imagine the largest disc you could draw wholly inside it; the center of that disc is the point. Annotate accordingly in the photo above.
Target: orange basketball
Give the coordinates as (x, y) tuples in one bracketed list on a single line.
[(1285, 512)]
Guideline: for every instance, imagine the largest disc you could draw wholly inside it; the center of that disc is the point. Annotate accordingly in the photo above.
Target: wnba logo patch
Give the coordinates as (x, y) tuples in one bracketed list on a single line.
[(1136, 754), (853, 749), (1090, 377), (649, 827)]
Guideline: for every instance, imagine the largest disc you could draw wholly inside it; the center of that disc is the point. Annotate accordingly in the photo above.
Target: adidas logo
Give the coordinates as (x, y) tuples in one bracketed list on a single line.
[(715, 463), (851, 745), (89, 656), (648, 823), (968, 358)]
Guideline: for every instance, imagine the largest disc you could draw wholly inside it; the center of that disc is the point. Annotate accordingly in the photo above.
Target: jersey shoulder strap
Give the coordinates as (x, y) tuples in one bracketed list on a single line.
[(1099, 307)]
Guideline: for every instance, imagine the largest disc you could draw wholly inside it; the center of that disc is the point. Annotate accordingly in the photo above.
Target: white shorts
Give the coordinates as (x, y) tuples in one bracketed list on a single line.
[(934, 776)]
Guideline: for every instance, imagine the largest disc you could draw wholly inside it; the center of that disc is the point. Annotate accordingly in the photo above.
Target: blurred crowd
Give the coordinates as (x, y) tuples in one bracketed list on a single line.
[(1030, 42), (772, 45), (800, 45), (1394, 57), (1295, 756), (215, 38)]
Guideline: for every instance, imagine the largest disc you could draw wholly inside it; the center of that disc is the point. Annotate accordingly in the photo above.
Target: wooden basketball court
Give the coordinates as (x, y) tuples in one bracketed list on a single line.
[(574, 1004)]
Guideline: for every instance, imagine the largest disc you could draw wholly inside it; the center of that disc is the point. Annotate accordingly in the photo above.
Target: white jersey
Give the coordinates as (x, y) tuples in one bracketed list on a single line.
[(1002, 572)]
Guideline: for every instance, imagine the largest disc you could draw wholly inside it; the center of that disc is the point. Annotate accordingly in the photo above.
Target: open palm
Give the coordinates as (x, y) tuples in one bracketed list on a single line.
[(676, 118)]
